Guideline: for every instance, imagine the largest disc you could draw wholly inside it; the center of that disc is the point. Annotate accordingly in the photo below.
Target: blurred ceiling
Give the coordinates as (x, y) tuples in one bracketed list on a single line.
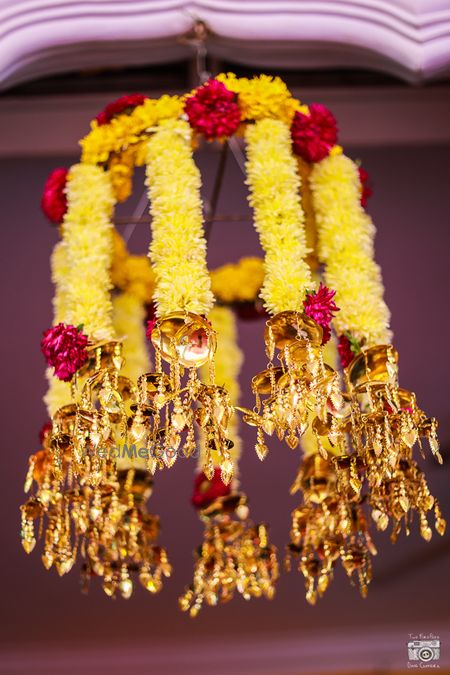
[(408, 39)]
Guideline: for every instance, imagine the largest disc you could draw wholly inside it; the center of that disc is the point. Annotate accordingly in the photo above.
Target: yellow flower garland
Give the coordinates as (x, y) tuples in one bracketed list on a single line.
[(126, 129), (263, 97), (238, 282), (178, 248), (58, 393), (228, 361), (274, 195), (87, 236), (345, 245), (230, 283), (128, 317)]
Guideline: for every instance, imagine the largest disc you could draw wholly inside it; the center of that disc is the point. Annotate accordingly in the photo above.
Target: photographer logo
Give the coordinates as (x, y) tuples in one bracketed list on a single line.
[(423, 651)]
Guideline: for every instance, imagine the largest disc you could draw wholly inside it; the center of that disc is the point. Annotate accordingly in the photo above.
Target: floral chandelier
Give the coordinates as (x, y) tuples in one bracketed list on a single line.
[(331, 384)]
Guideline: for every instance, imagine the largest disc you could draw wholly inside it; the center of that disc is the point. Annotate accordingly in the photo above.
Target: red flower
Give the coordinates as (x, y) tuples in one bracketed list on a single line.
[(345, 351), (321, 307), (44, 431), (206, 491), (366, 190), (314, 135), (54, 200), (64, 348), (120, 105), (213, 110)]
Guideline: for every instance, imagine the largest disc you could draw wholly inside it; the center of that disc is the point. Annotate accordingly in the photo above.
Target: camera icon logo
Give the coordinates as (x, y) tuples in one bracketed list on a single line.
[(424, 650)]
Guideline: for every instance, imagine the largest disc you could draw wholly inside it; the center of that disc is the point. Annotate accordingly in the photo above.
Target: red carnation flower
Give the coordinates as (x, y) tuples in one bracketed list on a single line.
[(120, 105), (321, 307), (45, 429), (313, 135), (64, 348), (206, 491), (54, 200), (213, 110), (366, 190), (345, 351)]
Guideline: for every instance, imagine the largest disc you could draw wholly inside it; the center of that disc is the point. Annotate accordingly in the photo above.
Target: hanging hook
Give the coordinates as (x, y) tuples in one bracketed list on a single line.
[(196, 38)]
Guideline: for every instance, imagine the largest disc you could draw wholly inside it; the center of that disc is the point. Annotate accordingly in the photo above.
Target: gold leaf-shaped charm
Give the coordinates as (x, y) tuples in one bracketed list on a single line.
[(440, 526), (404, 502), (169, 457), (269, 426), (261, 450), (226, 471), (178, 421), (110, 399), (28, 544), (426, 532), (322, 451), (410, 437), (381, 519)]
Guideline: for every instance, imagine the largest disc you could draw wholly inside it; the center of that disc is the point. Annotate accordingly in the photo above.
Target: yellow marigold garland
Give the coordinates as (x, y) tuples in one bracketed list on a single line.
[(345, 245), (228, 361), (58, 393), (126, 129), (238, 282), (128, 317), (178, 248), (263, 97), (87, 236), (274, 195)]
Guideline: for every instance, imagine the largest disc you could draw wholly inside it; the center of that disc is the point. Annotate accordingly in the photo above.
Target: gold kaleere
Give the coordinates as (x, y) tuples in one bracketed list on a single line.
[(187, 341), (234, 557), (300, 387), (326, 527)]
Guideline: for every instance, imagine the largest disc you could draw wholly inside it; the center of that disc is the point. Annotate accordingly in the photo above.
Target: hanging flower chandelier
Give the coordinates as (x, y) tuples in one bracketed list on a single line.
[(116, 419)]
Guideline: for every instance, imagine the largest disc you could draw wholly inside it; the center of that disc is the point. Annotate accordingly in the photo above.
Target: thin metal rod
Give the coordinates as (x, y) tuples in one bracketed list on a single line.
[(136, 218), (212, 206), (219, 218), (237, 153)]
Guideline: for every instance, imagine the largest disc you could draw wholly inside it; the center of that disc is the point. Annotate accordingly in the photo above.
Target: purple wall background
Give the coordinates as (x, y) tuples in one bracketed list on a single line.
[(410, 208)]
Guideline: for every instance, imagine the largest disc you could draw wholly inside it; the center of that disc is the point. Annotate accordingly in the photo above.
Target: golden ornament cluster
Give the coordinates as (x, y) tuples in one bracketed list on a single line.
[(358, 427)]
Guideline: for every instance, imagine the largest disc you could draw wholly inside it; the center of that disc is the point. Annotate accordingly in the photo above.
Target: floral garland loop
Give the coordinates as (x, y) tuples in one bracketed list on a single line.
[(87, 236), (178, 243), (346, 247), (278, 215)]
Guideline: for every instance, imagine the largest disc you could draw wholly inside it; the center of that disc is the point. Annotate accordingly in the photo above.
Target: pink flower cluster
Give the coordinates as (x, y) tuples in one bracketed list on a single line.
[(64, 348), (54, 200), (314, 134), (213, 111), (321, 307), (345, 351), (120, 105), (366, 190)]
